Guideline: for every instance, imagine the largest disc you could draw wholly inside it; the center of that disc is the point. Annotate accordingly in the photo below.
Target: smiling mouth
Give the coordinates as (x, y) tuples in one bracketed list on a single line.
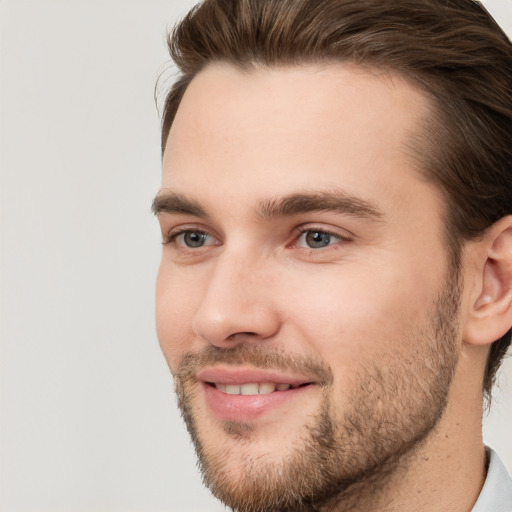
[(249, 389), (245, 394)]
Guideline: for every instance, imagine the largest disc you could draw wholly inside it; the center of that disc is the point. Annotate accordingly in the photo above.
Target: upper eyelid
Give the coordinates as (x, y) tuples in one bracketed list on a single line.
[(171, 234), (174, 233), (341, 239), (346, 235), (184, 228), (215, 239)]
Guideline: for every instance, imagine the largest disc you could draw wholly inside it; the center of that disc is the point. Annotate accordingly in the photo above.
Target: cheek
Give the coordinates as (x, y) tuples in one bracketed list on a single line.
[(175, 307), (350, 318)]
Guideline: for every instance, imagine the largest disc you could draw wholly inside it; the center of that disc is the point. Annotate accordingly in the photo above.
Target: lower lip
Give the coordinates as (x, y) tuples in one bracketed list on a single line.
[(247, 408)]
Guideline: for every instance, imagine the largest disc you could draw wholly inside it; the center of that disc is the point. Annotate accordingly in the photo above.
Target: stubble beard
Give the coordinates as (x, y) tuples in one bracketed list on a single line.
[(338, 460)]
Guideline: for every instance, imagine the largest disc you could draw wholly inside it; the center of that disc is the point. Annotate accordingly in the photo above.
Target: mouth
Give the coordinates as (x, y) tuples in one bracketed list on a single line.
[(255, 388), (245, 394)]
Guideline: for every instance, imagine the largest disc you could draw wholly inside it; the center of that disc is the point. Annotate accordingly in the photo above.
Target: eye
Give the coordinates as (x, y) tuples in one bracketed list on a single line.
[(317, 239), (194, 239), (191, 239)]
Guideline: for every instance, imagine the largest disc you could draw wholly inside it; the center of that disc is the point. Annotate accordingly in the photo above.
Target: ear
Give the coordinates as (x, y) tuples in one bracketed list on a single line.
[(490, 307)]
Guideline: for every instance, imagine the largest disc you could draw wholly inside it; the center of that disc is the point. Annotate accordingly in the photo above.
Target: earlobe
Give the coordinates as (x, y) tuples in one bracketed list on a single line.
[(490, 312)]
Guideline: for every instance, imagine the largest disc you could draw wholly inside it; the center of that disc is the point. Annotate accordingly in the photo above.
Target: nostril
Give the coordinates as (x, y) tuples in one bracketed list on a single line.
[(227, 322), (237, 334)]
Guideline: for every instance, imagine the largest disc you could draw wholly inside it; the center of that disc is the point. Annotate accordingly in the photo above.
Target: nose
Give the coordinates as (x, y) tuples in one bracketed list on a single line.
[(237, 306)]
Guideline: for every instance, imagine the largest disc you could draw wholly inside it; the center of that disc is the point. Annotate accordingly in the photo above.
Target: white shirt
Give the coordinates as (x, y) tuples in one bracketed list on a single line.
[(496, 494)]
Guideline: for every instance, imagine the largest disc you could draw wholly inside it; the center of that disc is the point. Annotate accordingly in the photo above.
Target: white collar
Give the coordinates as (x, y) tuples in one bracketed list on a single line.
[(496, 494)]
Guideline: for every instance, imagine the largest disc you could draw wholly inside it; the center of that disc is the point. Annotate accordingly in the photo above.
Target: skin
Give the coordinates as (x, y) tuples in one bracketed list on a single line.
[(356, 306)]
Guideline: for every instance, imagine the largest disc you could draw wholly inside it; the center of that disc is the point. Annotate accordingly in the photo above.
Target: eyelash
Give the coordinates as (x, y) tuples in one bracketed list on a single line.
[(309, 229), (171, 237)]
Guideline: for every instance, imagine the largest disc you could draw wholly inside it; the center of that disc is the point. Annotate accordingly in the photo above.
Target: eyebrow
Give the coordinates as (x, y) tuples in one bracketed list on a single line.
[(292, 204), (336, 201), (170, 202)]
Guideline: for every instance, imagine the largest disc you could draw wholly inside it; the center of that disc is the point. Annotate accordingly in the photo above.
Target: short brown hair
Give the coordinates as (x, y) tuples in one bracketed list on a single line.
[(452, 49)]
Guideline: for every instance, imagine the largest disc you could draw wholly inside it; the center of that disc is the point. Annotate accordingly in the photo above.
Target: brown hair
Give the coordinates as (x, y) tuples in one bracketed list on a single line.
[(452, 49)]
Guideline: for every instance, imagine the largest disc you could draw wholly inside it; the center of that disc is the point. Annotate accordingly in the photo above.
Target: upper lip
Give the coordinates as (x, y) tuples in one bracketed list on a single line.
[(245, 375)]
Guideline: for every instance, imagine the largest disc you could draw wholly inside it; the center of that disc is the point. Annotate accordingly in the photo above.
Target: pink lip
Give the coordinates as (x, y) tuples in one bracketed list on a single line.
[(247, 408), (240, 375)]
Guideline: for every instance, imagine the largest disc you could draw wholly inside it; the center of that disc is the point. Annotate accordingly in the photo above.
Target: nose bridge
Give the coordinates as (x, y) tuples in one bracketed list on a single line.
[(236, 303)]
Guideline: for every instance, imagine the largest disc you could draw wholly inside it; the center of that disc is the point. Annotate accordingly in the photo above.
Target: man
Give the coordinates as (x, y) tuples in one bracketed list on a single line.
[(335, 291)]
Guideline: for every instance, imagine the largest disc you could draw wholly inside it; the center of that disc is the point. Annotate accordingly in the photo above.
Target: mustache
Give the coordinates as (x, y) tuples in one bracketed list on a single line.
[(268, 358)]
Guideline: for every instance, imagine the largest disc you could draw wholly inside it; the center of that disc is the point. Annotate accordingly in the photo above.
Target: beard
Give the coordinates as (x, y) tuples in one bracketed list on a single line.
[(340, 457)]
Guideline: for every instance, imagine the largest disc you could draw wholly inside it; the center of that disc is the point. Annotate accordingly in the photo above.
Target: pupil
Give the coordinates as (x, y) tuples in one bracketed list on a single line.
[(194, 239), (316, 239)]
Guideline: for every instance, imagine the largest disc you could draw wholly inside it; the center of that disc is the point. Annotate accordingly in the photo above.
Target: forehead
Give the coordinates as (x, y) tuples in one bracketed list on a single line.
[(264, 131)]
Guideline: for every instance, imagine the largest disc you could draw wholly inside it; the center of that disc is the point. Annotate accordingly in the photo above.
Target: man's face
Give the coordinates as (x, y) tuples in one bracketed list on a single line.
[(304, 303)]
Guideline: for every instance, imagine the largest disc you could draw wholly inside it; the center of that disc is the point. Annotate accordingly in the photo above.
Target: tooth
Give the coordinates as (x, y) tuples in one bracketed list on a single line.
[(266, 387), (232, 389), (249, 389), (221, 387), (283, 387)]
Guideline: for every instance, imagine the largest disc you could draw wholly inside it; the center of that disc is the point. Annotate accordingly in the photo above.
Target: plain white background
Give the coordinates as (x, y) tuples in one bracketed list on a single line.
[(88, 417)]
